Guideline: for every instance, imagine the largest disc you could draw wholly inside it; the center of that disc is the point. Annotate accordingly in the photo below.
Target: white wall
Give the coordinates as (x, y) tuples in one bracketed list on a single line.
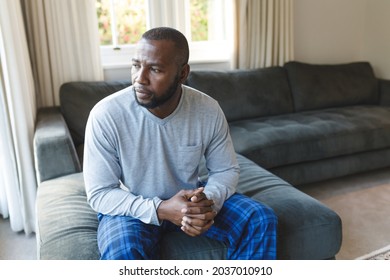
[(376, 47), (338, 31), (328, 31)]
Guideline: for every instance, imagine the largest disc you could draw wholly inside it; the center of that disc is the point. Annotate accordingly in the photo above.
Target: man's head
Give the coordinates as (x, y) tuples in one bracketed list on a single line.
[(159, 68), (173, 35)]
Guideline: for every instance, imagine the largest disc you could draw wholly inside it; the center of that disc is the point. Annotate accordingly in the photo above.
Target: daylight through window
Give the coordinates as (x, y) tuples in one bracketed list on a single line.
[(122, 22)]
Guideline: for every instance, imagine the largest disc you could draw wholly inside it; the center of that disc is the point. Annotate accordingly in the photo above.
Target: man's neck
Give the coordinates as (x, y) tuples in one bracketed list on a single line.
[(168, 107)]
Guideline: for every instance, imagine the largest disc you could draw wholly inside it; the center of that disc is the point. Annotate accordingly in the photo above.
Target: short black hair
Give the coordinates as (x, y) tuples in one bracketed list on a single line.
[(171, 34)]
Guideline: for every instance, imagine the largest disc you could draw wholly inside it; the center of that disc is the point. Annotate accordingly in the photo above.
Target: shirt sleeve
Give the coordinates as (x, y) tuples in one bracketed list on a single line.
[(102, 174), (221, 163)]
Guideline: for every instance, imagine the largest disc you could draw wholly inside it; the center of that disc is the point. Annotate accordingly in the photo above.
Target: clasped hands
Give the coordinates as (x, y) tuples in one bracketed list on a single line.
[(189, 209)]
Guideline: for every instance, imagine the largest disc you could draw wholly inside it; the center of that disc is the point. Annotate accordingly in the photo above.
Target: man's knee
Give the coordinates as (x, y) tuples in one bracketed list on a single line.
[(249, 205), (265, 216)]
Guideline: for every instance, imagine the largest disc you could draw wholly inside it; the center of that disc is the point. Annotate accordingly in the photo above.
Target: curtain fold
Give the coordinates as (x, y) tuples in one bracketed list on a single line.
[(17, 119), (43, 43), (167, 13), (264, 33), (64, 44)]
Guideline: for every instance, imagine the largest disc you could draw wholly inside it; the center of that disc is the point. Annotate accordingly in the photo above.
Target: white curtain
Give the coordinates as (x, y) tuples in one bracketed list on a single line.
[(264, 33), (167, 13), (64, 44), (17, 118)]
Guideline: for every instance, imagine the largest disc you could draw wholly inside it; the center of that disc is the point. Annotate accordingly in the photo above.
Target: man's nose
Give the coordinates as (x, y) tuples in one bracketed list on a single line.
[(141, 76)]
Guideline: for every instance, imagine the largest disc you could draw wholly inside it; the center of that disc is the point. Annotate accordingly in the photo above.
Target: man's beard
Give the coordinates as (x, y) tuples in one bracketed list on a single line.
[(158, 101)]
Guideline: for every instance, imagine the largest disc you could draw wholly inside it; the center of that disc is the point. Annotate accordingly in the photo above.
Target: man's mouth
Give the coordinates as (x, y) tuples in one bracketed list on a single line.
[(142, 93)]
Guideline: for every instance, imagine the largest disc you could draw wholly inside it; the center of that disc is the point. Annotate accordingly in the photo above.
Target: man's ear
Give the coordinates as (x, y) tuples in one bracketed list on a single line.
[(185, 71)]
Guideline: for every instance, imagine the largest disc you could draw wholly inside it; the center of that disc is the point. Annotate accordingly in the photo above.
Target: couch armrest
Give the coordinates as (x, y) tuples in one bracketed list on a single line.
[(384, 92), (54, 151)]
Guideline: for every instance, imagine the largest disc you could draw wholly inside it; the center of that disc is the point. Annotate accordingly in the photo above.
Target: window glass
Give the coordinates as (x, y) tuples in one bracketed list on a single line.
[(128, 17), (204, 23), (104, 21), (199, 20)]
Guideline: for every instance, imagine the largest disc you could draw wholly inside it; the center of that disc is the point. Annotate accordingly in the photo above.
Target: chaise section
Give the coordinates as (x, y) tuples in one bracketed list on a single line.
[(302, 220)]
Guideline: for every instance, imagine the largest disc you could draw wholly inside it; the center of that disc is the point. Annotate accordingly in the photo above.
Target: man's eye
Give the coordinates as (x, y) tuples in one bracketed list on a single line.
[(156, 70), (136, 66)]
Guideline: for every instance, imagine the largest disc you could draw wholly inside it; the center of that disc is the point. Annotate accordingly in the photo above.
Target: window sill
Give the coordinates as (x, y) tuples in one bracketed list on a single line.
[(200, 53)]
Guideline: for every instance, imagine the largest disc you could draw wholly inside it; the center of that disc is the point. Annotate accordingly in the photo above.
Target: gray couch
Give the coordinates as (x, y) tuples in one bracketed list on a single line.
[(302, 122), (306, 123)]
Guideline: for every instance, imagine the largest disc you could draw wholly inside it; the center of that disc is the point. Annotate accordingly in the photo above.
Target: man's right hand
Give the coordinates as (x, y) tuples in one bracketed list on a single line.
[(190, 205)]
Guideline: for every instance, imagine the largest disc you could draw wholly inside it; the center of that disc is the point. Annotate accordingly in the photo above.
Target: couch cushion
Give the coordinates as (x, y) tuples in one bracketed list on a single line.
[(245, 94), (66, 224), (324, 86), (312, 135), (77, 100)]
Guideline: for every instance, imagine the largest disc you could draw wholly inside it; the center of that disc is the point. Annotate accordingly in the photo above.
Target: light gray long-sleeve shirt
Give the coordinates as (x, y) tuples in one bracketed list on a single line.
[(134, 160)]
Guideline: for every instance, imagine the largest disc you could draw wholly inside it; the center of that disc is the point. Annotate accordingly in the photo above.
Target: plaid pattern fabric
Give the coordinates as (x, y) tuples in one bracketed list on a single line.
[(247, 226)]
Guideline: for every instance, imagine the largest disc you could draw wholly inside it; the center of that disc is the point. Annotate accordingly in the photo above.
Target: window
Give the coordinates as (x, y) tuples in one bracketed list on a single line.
[(206, 24), (120, 21)]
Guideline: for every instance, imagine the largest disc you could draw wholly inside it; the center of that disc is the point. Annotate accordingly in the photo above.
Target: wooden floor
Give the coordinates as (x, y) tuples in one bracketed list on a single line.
[(362, 201)]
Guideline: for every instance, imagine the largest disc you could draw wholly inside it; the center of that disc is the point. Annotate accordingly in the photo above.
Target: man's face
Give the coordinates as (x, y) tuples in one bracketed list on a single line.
[(155, 73)]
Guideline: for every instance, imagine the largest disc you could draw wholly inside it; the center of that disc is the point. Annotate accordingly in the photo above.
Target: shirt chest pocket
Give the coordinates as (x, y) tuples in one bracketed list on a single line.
[(189, 158)]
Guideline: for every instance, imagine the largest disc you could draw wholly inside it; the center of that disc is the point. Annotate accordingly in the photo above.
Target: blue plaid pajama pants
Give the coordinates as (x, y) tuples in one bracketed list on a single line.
[(245, 225)]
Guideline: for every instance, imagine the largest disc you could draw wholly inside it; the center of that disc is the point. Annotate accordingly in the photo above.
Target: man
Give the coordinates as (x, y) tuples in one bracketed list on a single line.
[(143, 148)]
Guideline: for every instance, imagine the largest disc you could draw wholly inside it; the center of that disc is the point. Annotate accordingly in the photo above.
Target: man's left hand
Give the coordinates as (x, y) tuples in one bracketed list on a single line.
[(196, 221)]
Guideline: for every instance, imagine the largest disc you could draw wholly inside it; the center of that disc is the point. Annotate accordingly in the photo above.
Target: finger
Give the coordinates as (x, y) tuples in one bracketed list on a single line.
[(198, 197), (205, 216), (199, 190), (194, 222), (196, 230), (187, 194), (203, 203), (197, 207), (196, 210)]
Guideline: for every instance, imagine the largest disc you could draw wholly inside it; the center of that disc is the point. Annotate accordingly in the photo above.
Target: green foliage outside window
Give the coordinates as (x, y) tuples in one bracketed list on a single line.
[(199, 20), (131, 20)]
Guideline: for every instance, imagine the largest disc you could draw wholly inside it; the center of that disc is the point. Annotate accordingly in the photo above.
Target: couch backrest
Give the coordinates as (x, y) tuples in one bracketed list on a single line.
[(245, 94), (78, 98), (323, 86)]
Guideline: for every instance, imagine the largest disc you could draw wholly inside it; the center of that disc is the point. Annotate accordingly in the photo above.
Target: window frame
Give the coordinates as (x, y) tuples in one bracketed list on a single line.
[(168, 13)]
